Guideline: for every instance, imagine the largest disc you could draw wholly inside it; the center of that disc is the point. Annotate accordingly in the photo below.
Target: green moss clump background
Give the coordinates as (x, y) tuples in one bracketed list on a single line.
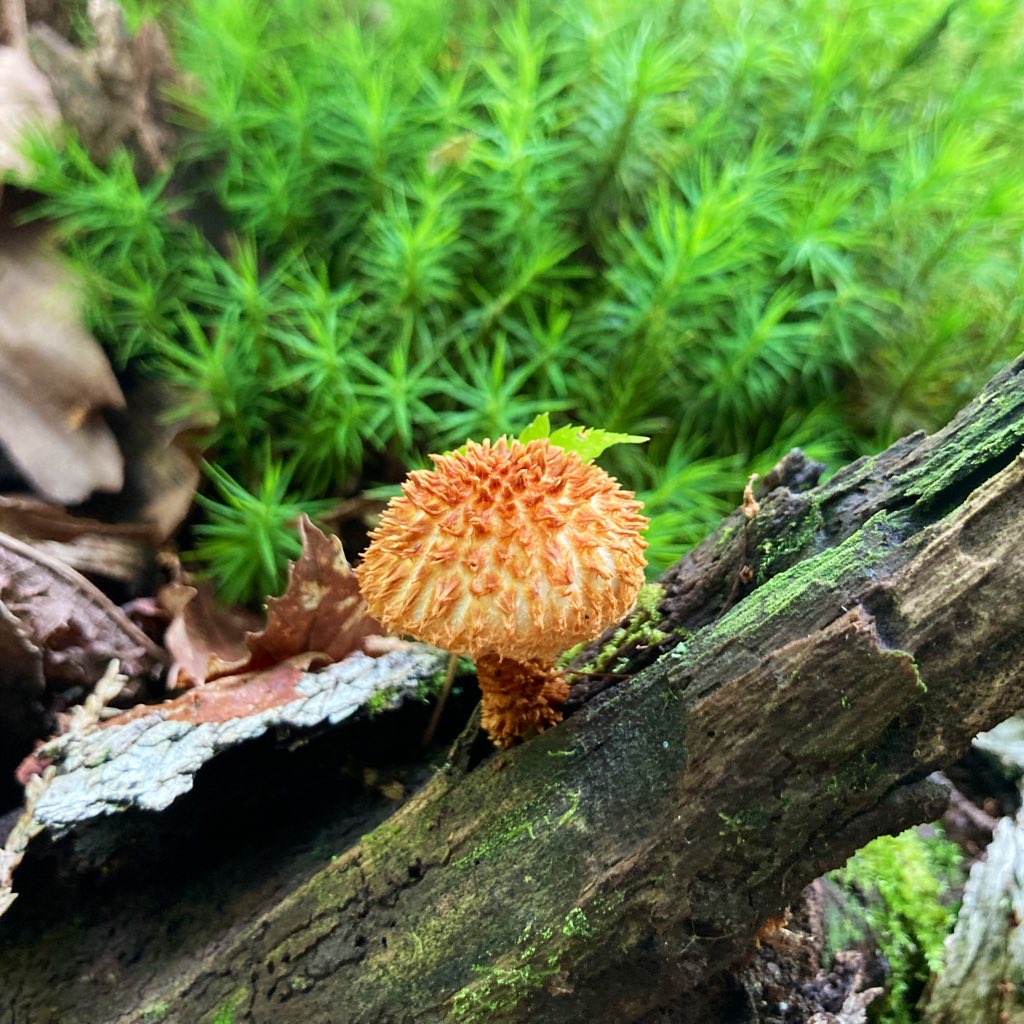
[(899, 896), (390, 226)]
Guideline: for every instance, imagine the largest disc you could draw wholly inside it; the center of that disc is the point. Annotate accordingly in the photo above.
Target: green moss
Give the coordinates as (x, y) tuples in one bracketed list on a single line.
[(509, 830), (427, 688), (430, 687), (535, 959), (225, 1014), (156, 1012), (570, 811), (989, 441), (569, 655), (843, 565), (329, 885), (738, 827), (899, 893), (529, 823), (384, 700), (500, 988), (377, 842), (576, 923), (538, 955), (795, 543), (859, 776), (640, 629)]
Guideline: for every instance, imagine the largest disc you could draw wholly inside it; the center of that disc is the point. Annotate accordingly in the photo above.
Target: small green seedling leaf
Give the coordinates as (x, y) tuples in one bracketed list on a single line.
[(589, 442), (539, 427), (586, 442)]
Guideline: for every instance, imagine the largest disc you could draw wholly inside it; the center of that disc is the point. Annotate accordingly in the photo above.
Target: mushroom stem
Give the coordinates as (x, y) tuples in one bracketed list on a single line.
[(520, 698)]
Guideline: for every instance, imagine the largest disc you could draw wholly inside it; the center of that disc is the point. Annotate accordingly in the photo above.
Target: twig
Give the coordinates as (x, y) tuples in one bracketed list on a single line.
[(442, 698), (87, 715), (745, 574)]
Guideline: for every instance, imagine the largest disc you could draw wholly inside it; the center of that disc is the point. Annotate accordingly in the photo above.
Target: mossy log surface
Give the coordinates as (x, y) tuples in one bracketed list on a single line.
[(822, 659)]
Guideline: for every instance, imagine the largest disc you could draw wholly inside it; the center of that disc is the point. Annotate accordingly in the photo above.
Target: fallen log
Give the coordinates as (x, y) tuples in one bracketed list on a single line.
[(805, 669)]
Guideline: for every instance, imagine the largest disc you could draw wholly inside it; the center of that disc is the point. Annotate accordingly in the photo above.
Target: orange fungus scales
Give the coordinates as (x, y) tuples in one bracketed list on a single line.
[(511, 553)]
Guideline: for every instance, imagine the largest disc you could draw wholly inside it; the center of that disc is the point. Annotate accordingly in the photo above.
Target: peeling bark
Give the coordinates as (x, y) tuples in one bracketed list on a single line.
[(983, 978), (150, 756), (822, 659)]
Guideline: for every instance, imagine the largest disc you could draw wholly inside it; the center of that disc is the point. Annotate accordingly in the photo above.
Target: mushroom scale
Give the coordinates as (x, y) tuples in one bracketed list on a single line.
[(506, 551)]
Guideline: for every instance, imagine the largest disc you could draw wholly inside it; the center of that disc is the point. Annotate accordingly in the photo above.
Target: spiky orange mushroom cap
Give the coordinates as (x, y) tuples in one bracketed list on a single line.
[(517, 550)]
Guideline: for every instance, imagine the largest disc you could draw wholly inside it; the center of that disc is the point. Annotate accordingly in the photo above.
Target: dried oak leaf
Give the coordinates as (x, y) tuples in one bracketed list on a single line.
[(77, 627), (321, 613), (54, 379), (320, 619), (200, 631)]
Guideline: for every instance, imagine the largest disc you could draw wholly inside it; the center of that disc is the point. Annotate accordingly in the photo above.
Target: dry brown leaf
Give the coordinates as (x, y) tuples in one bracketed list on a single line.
[(113, 536), (54, 378), (161, 463), (321, 618), (321, 611), (25, 99), (77, 628), (22, 716), (114, 551), (200, 630), (229, 697), (109, 93)]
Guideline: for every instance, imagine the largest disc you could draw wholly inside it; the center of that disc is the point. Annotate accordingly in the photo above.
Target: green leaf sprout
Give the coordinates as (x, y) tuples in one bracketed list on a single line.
[(587, 442)]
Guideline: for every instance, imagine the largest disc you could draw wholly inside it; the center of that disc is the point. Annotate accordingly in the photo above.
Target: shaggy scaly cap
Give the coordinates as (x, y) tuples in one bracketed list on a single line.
[(518, 550)]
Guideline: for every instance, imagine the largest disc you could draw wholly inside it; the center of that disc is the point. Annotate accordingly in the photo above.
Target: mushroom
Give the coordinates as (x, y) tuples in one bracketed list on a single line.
[(511, 553)]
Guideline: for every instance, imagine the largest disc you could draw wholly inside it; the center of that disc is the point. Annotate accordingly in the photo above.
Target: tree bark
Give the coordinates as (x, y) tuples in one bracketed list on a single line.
[(820, 659), (983, 975)]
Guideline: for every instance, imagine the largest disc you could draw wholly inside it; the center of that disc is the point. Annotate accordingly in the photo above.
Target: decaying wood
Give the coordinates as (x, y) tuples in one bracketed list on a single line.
[(622, 861), (983, 977)]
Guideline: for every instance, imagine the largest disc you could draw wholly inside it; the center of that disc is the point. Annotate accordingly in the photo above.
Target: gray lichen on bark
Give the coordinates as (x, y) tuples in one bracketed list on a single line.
[(151, 760)]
